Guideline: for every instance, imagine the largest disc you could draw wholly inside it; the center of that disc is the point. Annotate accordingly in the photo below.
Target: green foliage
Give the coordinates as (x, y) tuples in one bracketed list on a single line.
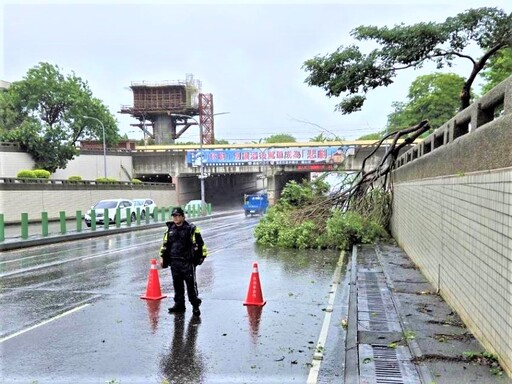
[(136, 181), (26, 174), (74, 178), (499, 68), (433, 97), (297, 195), (348, 228), (276, 229), (221, 141), (187, 143), (287, 225), (340, 231), (371, 136), (321, 138), (375, 205), (267, 230), (42, 173), (280, 138), (44, 113), (351, 73), (106, 180)]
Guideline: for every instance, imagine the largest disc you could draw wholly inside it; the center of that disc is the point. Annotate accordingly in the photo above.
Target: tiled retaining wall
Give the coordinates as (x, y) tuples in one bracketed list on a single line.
[(452, 214)]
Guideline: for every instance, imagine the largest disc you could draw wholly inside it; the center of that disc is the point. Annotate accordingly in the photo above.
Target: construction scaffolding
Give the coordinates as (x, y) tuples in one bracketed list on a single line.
[(155, 105)]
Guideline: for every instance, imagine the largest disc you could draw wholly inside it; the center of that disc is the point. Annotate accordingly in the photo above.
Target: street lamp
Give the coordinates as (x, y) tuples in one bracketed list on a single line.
[(202, 176), (104, 145)]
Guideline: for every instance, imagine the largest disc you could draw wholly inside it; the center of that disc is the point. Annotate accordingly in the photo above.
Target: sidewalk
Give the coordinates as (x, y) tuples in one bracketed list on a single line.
[(401, 331)]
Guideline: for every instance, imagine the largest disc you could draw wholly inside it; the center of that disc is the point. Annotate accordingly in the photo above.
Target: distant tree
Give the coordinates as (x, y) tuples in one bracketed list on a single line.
[(187, 143), (280, 138), (433, 97), (350, 72), (321, 138), (44, 113), (217, 141), (499, 68), (371, 136)]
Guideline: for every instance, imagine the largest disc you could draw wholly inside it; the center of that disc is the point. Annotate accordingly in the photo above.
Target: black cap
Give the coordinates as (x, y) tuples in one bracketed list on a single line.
[(177, 211)]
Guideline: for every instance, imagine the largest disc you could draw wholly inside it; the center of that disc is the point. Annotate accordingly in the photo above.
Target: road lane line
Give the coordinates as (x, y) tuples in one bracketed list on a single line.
[(43, 323), (78, 258), (322, 338)]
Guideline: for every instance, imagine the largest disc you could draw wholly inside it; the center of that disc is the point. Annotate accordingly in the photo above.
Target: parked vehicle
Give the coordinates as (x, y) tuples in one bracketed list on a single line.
[(112, 205), (256, 204), (147, 207)]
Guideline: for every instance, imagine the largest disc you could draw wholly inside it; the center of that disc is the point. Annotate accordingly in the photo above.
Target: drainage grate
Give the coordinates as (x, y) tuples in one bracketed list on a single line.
[(380, 364), (375, 306)]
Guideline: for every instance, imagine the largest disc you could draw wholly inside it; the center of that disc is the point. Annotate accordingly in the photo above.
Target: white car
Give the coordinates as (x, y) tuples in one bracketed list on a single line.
[(147, 207), (112, 205)]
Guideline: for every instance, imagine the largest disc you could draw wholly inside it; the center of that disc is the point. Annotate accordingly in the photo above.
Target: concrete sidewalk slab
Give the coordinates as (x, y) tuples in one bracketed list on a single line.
[(406, 332)]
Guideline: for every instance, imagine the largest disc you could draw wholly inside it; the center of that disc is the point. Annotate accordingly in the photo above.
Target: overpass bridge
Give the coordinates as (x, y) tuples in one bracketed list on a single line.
[(228, 167)]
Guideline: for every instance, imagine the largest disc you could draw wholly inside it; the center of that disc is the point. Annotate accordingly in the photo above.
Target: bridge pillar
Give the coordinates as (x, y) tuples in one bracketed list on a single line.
[(165, 130), (276, 183)]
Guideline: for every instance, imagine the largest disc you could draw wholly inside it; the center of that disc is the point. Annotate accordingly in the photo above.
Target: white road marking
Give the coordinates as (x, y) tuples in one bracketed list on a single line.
[(43, 323), (320, 345)]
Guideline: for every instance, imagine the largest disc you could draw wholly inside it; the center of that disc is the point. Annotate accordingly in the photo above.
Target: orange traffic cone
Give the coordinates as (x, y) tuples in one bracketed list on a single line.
[(254, 295), (153, 288)]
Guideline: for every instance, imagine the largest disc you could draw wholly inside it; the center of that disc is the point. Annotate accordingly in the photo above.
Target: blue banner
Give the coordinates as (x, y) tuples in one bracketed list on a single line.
[(255, 156)]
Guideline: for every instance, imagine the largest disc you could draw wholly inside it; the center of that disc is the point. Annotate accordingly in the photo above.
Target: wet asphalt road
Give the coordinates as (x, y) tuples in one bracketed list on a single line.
[(72, 313)]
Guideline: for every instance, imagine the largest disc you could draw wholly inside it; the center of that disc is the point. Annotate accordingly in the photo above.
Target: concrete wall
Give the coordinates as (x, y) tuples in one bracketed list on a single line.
[(52, 198), (452, 214), (88, 165)]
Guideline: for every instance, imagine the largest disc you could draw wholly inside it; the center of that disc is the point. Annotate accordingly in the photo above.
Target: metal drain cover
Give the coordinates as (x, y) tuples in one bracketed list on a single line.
[(380, 364)]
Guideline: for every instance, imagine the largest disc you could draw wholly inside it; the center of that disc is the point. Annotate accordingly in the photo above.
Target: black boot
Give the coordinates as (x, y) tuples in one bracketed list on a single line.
[(177, 309), (196, 311)]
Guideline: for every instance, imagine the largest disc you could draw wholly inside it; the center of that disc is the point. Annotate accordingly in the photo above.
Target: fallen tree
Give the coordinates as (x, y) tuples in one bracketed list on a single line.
[(359, 211)]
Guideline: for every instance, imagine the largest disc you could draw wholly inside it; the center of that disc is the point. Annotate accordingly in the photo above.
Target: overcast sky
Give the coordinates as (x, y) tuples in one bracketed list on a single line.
[(247, 54)]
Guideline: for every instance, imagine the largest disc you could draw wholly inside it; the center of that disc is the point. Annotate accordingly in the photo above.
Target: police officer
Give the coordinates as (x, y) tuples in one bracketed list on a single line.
[(177, 251)]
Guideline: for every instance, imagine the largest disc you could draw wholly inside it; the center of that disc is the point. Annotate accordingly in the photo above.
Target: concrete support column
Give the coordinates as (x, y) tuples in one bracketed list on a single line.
[(271, 189), (164, 130)]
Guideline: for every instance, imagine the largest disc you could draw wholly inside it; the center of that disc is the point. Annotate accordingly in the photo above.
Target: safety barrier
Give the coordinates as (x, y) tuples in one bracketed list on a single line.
[(159, 214)]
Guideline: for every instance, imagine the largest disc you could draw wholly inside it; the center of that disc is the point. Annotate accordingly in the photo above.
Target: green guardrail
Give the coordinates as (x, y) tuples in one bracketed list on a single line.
[(195, 210), (78, 220), (62, 218), (2, 227), (158, 214), (44, 223), (24, 225), (106, 219)]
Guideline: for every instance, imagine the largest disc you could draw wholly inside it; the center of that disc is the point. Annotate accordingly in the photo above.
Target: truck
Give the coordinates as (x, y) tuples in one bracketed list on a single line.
[(255, 204)]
